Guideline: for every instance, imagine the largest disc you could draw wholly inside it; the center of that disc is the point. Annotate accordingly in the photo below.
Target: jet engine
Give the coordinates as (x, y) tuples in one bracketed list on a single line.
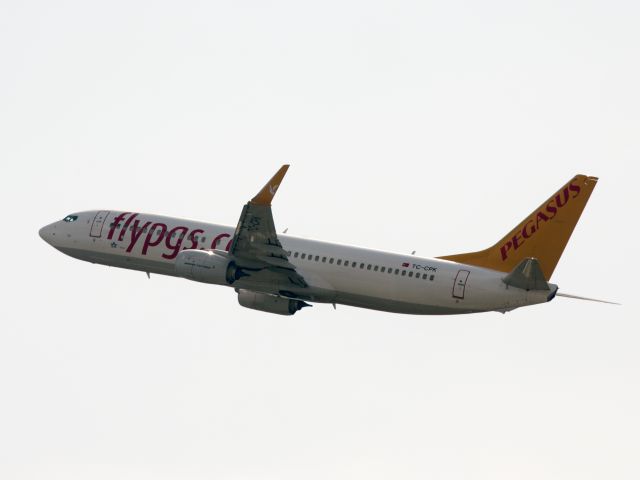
[(270, 303), (205, 266)]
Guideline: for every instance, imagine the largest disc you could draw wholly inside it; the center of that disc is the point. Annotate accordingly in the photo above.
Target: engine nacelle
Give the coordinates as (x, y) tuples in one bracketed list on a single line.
[(270, 303), (205, 266)]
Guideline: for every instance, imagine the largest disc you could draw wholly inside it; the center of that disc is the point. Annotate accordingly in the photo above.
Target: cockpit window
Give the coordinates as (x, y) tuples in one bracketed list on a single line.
[(70, 218)]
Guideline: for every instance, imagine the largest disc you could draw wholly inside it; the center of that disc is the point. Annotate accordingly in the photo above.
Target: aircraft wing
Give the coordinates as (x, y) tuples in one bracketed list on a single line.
[(255, 243)]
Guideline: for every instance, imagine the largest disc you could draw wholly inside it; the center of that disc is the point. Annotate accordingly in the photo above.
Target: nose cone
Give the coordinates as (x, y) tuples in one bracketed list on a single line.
[(48, 233)]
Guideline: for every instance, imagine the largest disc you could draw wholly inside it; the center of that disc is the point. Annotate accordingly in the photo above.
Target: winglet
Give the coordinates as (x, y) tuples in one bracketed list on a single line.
[(265, 195)]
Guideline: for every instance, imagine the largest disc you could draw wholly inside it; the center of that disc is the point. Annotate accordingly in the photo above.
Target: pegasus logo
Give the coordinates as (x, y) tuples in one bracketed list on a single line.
[(273, 189), (537, 220)]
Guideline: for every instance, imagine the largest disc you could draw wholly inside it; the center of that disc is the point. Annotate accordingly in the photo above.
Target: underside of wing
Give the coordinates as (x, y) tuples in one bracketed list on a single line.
[(255, 244)]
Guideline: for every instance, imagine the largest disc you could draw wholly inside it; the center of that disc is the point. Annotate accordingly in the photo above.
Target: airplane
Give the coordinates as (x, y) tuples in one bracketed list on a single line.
[(282, 274)]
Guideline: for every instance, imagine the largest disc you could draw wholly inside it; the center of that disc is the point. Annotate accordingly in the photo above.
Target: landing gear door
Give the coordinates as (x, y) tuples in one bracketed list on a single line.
[(460, 284), (98, 223)]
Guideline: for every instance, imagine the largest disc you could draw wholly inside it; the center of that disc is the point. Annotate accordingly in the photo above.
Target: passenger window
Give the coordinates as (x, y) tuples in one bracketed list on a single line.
[(324, 259), (411, 274), (431, 278), (354, 264), (404, 272), (331, 260), (369, 267), (362, 265), (375, 269), (382, 269), (424, 276), (397, 271), (317, 257), (339, 262), (303, 256), (295, 255)]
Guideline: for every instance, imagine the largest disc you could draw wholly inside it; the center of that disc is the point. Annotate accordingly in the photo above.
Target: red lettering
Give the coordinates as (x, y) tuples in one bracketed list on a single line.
[(540, 216), (126, 225), (135, 234), (115, 223), (179, 233), (504, 249), (562, 202), (527, 232), (148, 242), (575, 189), (517, 241), (218, 238), (531, 226), (192, 235)]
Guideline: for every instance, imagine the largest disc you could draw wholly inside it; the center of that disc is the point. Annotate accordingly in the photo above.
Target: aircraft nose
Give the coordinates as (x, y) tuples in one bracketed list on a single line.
[(47, 233)]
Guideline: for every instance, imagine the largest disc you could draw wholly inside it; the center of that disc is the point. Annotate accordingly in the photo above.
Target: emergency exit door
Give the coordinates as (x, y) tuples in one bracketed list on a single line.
[(98, 223), (460, 283)]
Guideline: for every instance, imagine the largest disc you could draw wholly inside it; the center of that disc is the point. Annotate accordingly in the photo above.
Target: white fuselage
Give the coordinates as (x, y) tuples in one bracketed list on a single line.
[(335, 273)]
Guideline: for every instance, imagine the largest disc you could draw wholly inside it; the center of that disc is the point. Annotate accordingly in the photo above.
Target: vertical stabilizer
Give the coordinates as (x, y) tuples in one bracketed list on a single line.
[(542, 235)]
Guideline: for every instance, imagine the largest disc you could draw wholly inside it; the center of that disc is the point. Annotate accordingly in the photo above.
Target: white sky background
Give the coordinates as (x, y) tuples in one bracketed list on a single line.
[(428, 126)]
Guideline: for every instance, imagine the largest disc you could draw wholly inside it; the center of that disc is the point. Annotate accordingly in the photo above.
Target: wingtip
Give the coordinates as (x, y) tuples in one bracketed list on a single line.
[(265, 196)]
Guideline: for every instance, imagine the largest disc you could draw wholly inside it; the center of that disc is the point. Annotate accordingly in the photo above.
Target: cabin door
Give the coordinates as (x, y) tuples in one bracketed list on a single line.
[(98, 223), (460, 283)]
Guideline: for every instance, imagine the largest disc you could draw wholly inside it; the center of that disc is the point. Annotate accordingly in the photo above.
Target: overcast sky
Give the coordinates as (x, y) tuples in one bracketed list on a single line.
[(428, 126)]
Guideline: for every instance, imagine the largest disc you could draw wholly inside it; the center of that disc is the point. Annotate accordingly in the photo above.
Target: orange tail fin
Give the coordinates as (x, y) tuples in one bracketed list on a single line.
[(543, 234)]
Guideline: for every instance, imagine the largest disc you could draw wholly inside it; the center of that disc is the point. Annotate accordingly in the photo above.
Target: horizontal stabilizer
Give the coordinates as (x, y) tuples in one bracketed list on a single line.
[(576, 297), (527, 275)]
